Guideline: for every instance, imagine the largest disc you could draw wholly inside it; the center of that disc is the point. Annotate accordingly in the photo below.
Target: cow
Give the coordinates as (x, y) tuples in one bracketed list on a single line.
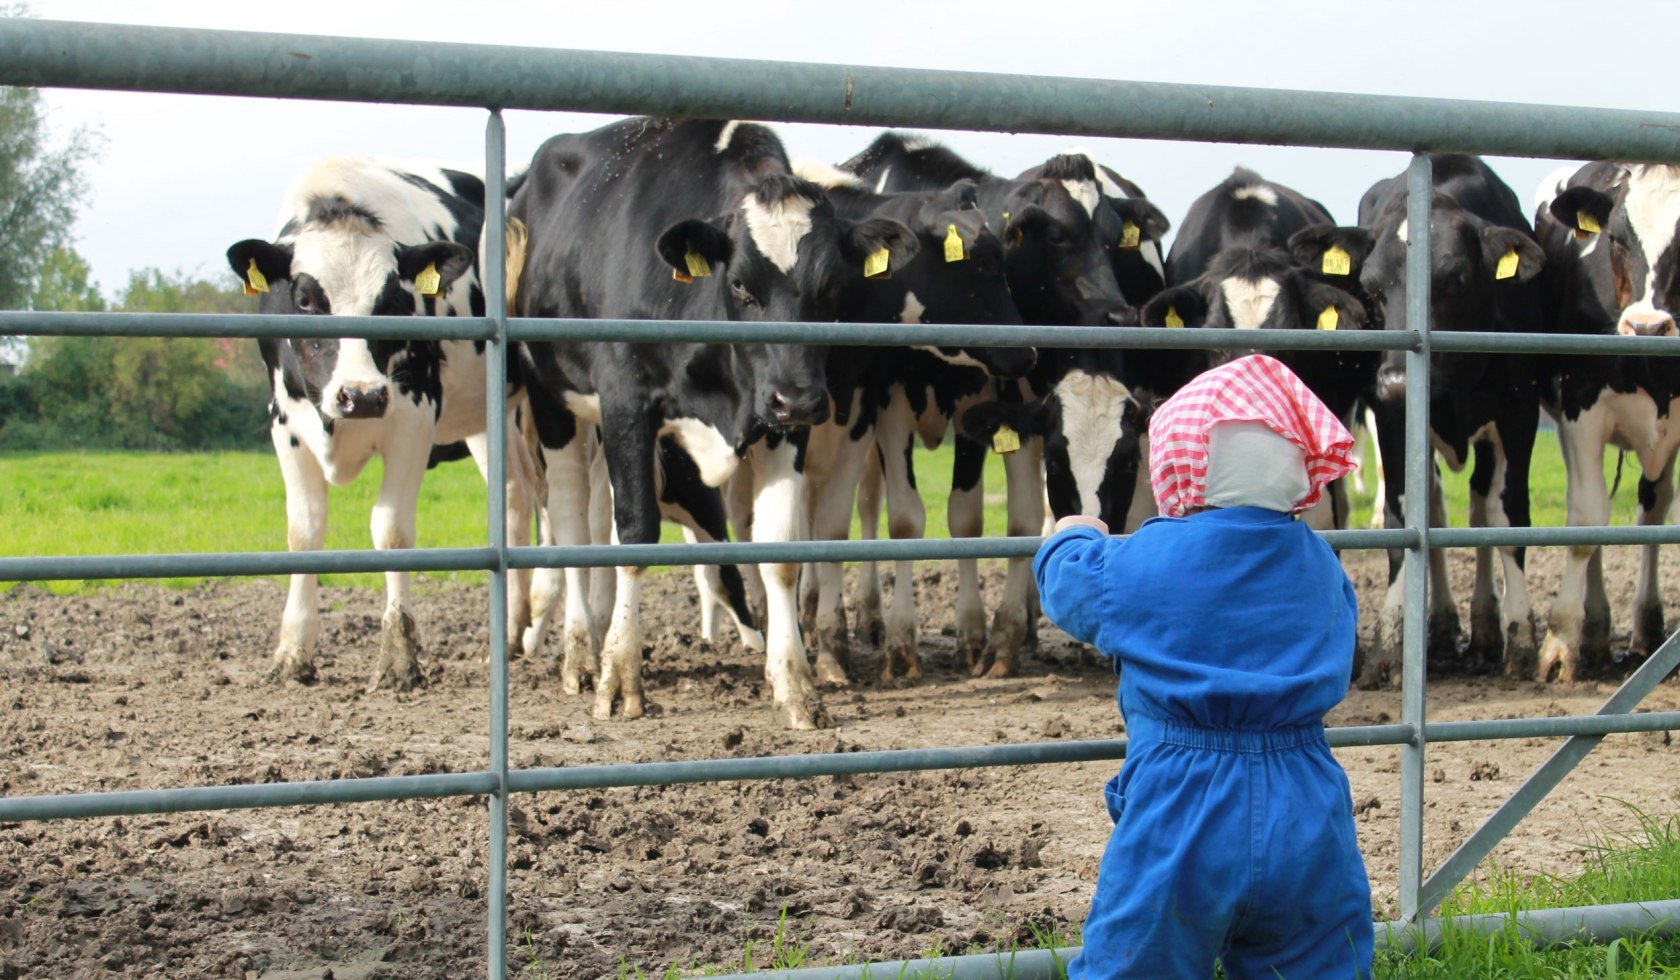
[(1255, 254), (886, 398), (684, 219), (360, 237), (1609, 233), (1485, 263), (1056, 222)]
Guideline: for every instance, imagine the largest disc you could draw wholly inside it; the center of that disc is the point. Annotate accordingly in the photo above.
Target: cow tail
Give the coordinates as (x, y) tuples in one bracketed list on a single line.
[(517, 236), (1621, 457)]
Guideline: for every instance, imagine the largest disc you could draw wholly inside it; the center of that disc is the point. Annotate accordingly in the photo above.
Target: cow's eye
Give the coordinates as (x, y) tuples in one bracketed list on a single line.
[(739, 288), (1055, 235), (305, 304)]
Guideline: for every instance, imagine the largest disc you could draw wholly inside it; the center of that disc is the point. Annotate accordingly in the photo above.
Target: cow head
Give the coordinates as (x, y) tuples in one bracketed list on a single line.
[(1131, 230), (785, 256), (338, 259), (1091, 425), (1059, 269), (1630, 247), (958, 276), (1471, 263)]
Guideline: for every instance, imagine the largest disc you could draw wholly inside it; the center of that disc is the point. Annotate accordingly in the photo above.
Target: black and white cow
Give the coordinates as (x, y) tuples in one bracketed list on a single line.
[(1484, 263), (361, 237), (887, 398), (1611, 234), (685, 219), (1254, 254), (1056, 221)]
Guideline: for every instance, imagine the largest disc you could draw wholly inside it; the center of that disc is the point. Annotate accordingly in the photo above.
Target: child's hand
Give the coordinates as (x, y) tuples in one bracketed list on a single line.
[(1079, 520)]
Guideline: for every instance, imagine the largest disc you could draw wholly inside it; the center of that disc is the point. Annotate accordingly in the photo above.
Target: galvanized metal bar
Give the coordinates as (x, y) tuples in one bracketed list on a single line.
[(1543, 928), (51, 568), (1550, 773), (495, 414), (243, 796), (1564, 726), (1467, 342), (28, 323), (1419, 474), (294, 66), (1539, 537)]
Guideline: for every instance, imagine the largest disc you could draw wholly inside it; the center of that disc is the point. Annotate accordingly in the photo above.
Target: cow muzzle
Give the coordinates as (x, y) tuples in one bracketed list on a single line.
[(361, 401), (1646, 323), (1391, 383), (789, 407)]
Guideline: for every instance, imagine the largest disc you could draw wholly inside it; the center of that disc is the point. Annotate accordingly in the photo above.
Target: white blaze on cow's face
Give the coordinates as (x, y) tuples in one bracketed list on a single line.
[(1249, 300), (352, 264), (777, 228), (1093, 410), (1652, 206), (1086, 193), (1256, 192)]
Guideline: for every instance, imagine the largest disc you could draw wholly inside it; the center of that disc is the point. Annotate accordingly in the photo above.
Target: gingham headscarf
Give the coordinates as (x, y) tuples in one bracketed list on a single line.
[(1256, 388)]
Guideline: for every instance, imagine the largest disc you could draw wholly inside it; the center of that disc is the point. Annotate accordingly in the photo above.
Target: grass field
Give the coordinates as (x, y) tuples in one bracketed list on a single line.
[(139, 503)]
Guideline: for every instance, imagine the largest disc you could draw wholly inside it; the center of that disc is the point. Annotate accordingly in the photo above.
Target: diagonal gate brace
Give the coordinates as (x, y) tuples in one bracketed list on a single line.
[(1546, 778)]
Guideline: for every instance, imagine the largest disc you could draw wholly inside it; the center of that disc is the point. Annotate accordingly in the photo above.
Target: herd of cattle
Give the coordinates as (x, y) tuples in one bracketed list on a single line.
[(710, 220)]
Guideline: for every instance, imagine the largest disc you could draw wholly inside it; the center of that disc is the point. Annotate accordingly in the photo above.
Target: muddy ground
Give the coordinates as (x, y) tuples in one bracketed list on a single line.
[(144, 687)]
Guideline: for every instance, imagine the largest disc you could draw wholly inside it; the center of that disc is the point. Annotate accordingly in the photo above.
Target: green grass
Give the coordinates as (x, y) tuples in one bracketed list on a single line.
[(93, 503), (104, 503)]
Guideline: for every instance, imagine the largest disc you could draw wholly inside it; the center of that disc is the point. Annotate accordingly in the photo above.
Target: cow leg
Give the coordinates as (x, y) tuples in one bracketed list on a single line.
[(1655, 496), (1443, 611), (1382, 664), (906, 519), (405, 452), (520, 475), (868, 626), (777, 516), (720, 587), (738, 504), (1509, 507), (1143, 495), (629, 451), (831, 520), (601, 581), (1025, 474), (1486, 635), (306, 530), (965, 517), (547, 584), (1588, 502), (569, 503)]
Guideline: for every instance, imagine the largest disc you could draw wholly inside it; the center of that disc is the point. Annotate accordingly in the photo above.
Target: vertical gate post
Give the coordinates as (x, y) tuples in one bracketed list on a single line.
[(1419, 474), (495, 418)]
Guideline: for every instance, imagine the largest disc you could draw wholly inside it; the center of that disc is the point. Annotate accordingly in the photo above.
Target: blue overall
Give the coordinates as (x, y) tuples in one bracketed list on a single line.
[(1233, 825)]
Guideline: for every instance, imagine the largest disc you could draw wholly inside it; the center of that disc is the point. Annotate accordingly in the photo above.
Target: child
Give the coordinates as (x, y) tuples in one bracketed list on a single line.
[(1233, 825)]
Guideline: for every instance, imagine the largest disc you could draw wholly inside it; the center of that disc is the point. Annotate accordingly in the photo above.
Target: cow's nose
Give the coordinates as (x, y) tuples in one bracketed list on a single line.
[(1123, 316), (1010, 362), (363, 401), (1391, 383), (798, 406), (1647, 323)]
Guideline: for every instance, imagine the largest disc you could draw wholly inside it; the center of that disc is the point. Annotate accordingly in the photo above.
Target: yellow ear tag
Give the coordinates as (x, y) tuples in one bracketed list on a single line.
[(1006, 218), (428, 282), (1173, 319), (1005, 440), (1587, 223), (1329, 319), (255, 282), (1337, 262), (1130, 235), (875, 264), (698, 267), (1507, 267), (954, 245)]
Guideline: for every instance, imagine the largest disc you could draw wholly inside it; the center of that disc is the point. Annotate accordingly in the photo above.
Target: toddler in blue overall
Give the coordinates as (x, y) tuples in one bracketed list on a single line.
[(1232, 626)]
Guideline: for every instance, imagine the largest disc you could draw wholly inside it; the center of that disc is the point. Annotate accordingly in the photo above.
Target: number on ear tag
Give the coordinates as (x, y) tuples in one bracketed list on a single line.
[(1337, 261), (698, 267), (255, 281), (1507, 267), (1130, 235), (1329, 319), (954, 245), (1005, 440), (428, 282), (1173, 319), (1587, 223), (875, 264)]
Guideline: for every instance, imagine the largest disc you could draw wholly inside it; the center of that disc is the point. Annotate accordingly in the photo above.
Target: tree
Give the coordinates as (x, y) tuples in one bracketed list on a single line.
[(66, 285)]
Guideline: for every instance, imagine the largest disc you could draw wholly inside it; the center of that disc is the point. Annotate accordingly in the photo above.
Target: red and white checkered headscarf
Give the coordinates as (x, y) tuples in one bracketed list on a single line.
[(1256, 388)]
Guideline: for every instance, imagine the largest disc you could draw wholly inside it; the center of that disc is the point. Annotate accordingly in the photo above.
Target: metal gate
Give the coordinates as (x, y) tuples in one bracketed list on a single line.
[(99, 56)]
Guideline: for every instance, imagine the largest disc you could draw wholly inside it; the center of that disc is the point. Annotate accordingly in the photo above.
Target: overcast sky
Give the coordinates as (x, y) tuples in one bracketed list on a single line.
[(182, 177)]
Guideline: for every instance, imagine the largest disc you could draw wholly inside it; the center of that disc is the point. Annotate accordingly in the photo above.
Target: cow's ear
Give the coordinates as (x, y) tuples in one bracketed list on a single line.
[(1500, 245), (694, 237), (1147, 217), (1327, 307), (1179, 306), (273, 262), (450, 259), (865, 238), (1338, 252), (981, 422), (1583, 210)]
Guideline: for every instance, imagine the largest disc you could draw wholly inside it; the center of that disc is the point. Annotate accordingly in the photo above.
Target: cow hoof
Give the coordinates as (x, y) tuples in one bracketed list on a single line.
[(292, 669), (752, 639), (1376, 674), (399, 651), (1002, 667), (830, 671), (902, 660), (1556, 661), (803, 715), (1648, 632)]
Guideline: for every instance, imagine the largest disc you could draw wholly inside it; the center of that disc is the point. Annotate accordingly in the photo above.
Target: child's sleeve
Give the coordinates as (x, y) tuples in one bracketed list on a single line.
[(1069, 571)]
